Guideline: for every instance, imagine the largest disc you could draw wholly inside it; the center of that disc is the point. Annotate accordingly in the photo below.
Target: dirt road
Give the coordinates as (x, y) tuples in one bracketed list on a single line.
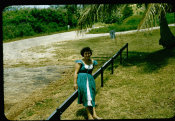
[(14, 52)]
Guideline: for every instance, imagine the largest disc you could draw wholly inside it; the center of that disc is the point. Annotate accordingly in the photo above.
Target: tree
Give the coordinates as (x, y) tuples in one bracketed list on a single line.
[(12, 8), (127, 11), (71, 14), (153, 11), (96, 12)]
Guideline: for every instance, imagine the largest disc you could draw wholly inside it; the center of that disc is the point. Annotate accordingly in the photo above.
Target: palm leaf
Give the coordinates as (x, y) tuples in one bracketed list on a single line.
[(151, 14), (96, 12)]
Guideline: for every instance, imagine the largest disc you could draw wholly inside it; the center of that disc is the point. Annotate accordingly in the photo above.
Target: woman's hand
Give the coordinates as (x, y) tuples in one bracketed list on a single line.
[(77, 68), (75, 86)]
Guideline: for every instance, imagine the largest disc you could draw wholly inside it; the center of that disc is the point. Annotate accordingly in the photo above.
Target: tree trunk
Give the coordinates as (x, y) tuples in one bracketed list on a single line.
[(167, 39)]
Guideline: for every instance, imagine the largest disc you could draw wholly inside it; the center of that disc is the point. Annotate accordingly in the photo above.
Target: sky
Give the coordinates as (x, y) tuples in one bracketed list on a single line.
[(37, 6)]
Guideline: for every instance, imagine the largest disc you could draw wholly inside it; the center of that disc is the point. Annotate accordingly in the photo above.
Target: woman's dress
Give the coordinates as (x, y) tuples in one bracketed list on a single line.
[(86, 84)]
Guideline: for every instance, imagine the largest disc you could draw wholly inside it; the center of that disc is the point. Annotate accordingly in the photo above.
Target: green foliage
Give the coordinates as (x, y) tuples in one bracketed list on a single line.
[(129, 23), (127, 11), (170, 17), (29, 22), (132, 20), (72, 14), (112, 19)]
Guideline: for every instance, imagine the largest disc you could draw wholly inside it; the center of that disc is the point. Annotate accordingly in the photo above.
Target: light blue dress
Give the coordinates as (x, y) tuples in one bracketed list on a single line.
[(86, 84)]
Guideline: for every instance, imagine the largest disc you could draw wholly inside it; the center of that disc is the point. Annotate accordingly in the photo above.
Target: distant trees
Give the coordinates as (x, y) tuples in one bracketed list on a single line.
[(19, 21), (72, 14)]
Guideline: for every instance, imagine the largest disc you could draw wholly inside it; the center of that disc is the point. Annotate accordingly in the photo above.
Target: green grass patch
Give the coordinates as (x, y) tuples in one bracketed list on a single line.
[(130, 23), (170, 17)]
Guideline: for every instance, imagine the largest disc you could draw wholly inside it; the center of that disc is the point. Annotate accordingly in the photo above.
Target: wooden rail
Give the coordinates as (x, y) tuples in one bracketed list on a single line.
[(56, 115)]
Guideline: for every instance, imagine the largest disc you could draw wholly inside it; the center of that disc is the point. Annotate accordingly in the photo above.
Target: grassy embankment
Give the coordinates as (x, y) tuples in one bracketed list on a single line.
[(130, 23), (142, 87)]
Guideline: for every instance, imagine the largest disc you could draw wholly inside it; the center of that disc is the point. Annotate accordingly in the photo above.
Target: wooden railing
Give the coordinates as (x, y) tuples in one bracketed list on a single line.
[(56, 115)]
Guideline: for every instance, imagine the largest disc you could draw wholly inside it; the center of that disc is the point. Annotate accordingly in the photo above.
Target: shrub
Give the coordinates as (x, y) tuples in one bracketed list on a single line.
[(28, 22), (170, 18), (133, 20)]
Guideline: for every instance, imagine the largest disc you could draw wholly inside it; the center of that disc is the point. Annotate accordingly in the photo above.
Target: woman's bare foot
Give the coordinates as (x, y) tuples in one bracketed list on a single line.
[(90, 117), (96, 117)]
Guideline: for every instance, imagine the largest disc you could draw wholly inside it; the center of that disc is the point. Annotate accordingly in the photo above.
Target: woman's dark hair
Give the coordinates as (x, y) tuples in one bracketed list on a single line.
[(85, 49)]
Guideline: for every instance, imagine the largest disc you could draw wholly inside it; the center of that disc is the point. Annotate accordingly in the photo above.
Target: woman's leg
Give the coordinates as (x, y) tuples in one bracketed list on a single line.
[(95, 115), (89, 113)]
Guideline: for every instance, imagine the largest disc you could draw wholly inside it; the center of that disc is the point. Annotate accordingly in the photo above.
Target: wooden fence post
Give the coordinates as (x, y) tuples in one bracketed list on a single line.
[(101, 76), (59, 114), (112, 64), (120, 57), (127, 51)]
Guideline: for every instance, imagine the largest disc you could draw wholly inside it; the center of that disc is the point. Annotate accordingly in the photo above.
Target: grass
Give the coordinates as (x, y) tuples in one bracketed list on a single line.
[(140, 88), (129, 23)]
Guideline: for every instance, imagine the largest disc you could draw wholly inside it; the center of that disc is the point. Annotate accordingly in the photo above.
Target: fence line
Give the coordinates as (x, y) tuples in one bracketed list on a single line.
[(56, 115)]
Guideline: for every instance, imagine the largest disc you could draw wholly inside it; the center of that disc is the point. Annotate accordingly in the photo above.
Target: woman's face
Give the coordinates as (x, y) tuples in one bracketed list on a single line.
[(87, 55)]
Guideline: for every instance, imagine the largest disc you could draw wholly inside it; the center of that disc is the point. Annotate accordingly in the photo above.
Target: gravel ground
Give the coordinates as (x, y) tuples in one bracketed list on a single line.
[(14, 52), (19, 82)]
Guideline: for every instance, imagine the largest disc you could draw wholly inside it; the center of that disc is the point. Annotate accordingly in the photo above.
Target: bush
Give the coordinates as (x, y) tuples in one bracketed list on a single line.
[(170, 18), (133, 20), (28, 22)]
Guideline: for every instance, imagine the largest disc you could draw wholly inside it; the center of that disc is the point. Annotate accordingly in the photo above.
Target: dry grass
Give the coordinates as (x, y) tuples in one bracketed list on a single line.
[(140, 88)]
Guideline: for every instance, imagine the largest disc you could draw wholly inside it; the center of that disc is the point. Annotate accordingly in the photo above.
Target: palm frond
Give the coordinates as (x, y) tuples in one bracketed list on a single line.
[(88, 17), (151, 14), (96, 12)]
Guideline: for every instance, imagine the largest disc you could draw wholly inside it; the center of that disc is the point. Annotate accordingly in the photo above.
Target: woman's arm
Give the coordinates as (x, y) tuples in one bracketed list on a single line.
[(77, 68)]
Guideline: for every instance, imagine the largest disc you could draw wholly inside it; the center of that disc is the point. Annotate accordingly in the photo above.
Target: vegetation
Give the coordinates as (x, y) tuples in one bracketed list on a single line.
[(153, 11), (130, 23), (140, 88), (32, 21), (27, 22)]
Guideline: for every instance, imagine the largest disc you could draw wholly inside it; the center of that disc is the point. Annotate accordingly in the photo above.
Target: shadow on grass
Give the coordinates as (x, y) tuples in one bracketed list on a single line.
[(82, 112), (150, 62)]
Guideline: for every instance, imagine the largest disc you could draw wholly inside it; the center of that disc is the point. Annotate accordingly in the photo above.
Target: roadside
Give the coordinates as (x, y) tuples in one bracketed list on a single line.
[(13, 52)]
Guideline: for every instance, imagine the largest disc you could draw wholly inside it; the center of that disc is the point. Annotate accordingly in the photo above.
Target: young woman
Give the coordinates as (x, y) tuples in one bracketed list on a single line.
[(85, 83)]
